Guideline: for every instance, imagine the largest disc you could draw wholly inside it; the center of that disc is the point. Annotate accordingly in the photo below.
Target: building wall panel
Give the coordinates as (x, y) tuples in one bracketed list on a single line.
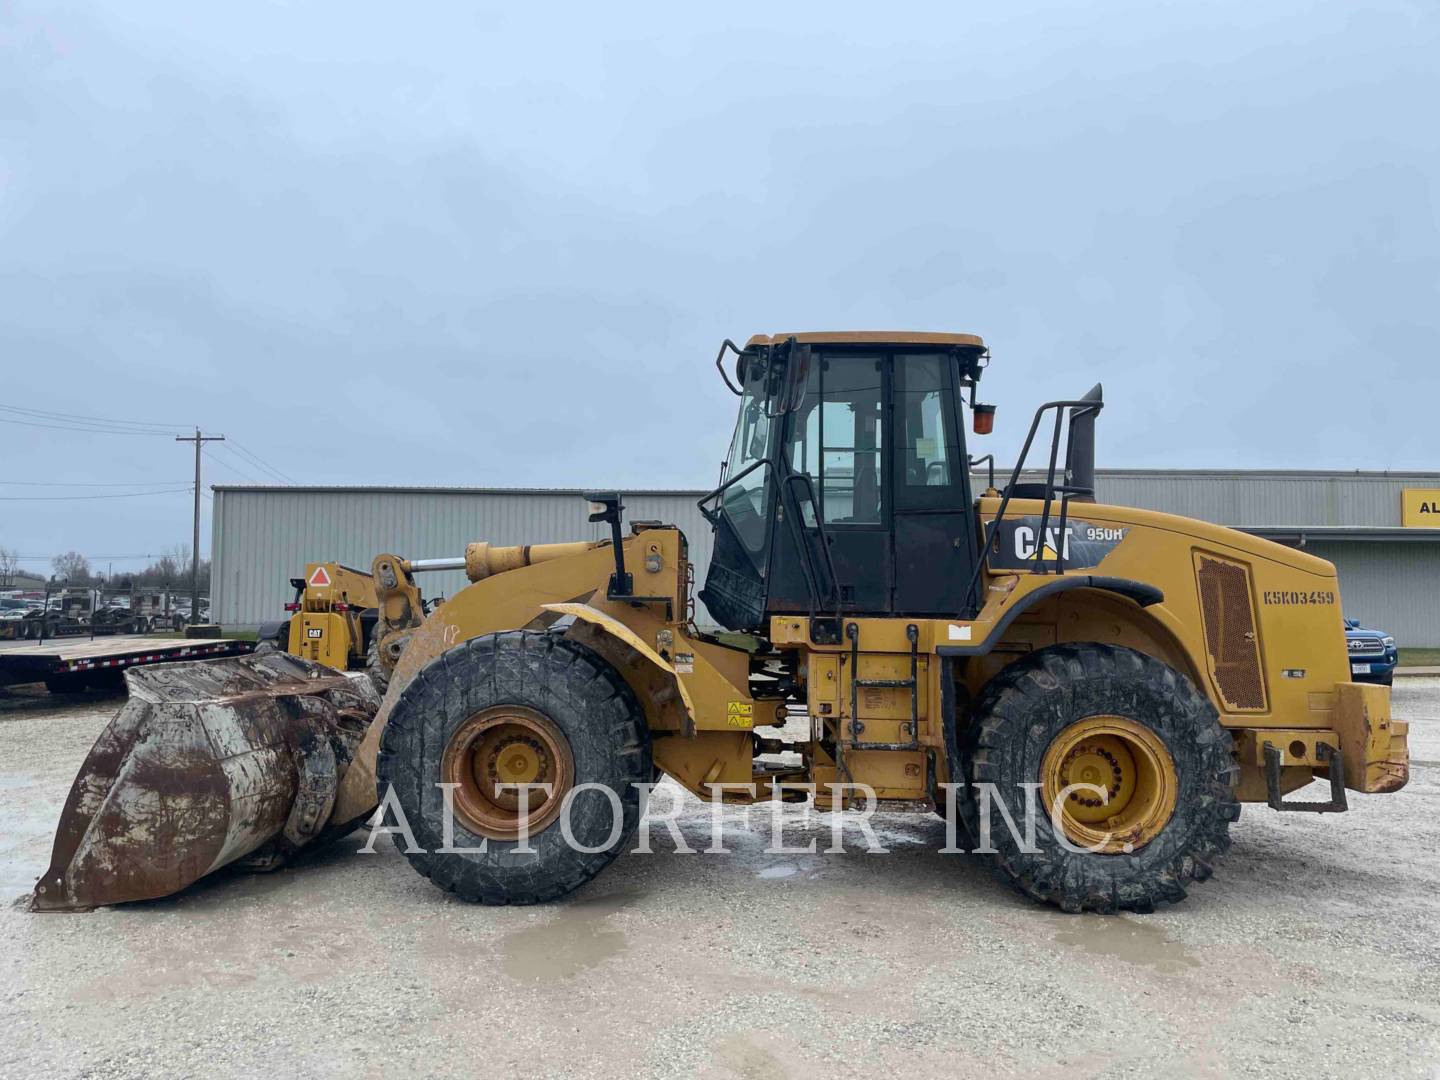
[(264, 536)]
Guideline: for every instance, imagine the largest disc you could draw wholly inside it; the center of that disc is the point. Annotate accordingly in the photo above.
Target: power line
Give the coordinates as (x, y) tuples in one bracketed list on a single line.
[(72, 483), (112, 557), (119, 495), (76, 418), (61, 421), (235, 469), (233, 445), (91, 430)]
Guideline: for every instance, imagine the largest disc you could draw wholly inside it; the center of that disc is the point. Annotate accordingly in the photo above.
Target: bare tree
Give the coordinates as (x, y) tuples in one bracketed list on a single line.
[(173, 568), (72, 566), (9, 567)]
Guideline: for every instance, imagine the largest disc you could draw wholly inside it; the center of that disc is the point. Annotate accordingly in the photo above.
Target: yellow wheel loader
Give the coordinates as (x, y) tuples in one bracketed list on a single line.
[(353, 620), (331, 616), (1120, 679)]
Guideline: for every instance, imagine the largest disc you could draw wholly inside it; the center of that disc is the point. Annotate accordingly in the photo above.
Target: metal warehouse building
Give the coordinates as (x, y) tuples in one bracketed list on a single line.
[(1373, 526)]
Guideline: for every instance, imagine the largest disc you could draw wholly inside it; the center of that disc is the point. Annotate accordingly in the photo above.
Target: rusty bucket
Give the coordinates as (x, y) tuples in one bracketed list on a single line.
[(208, 763)]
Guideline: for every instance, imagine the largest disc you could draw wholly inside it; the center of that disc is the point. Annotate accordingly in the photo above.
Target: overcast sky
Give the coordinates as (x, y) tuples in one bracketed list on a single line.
[(486, 245)]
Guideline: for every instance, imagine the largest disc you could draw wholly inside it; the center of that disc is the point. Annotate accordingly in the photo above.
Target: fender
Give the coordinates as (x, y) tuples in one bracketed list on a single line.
[(615, 628), (1142, 594)]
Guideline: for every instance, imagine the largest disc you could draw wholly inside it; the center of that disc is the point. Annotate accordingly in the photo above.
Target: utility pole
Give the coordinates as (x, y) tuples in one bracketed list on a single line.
[(199, 441)]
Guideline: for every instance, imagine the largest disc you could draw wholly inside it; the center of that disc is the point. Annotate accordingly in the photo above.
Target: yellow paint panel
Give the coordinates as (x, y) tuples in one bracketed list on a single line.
[(1420, 508)]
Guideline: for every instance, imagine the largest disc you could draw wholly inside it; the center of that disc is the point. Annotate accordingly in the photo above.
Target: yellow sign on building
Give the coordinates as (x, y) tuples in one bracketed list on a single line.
[(1420, 508)]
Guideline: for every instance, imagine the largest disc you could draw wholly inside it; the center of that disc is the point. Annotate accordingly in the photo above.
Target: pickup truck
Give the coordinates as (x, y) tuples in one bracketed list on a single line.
[(1373, 654)]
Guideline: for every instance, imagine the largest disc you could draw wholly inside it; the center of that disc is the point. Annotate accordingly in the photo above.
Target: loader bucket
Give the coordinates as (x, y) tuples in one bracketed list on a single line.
[(208, 763)]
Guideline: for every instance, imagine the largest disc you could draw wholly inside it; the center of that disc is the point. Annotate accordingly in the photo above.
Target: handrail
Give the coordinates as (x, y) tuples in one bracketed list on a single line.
[(990, 470), (820, 529), (720, 364), (1051, 489)]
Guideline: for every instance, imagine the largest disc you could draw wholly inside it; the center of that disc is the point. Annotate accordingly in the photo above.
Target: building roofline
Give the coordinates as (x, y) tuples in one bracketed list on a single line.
[(1260, 474), (405, 489), (1115, 473), (1302, 533)]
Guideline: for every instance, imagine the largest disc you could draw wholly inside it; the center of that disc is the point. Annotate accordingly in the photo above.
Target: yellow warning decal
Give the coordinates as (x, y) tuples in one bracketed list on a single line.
[(740, 714)]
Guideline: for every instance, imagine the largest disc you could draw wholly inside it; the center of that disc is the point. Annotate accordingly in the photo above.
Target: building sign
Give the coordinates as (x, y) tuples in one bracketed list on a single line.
[(1420, 508)]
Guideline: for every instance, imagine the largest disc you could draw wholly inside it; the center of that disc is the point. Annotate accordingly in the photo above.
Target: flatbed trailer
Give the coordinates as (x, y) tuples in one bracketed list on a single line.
[(67, 664)]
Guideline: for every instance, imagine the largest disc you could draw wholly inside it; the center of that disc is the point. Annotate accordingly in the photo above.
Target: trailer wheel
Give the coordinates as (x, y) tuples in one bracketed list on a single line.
[(521, 707), (1159, 769)]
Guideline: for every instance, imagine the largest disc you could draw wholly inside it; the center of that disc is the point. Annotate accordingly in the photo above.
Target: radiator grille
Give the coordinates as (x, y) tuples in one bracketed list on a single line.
[(1225, 603)]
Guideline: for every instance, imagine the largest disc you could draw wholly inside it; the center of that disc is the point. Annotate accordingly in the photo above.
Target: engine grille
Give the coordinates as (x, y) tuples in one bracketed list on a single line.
[(1225, 605)]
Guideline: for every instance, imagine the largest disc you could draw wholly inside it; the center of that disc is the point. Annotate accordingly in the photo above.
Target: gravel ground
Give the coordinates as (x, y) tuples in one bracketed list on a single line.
[(1314, 951)]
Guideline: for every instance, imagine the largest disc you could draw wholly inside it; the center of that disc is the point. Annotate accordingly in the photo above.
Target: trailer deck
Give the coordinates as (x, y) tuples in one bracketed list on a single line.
[(72, 663)]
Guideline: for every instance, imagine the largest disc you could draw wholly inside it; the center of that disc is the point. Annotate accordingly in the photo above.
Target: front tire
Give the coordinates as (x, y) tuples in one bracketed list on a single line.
[(1164, 769), (534, 708)]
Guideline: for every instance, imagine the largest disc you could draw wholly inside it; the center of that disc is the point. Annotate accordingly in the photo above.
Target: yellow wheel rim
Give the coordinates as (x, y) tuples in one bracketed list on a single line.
[(1131, 774), (500, 746)]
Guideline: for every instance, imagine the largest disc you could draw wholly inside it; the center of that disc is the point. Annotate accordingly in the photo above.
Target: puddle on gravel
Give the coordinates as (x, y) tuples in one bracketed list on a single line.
[(782, 871), (1121, 938), (576, 939)]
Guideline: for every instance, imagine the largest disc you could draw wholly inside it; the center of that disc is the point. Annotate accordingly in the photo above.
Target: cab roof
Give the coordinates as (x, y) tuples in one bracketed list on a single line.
[(870, 337)]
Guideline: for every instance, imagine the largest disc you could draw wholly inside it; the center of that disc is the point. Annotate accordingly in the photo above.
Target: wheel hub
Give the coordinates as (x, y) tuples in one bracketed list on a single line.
[(1130, 783), (500, 747)]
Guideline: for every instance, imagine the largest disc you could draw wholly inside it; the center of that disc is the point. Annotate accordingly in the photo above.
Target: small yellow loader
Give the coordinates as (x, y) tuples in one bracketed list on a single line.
[(341, 620), (1136, 675), (331, 616)]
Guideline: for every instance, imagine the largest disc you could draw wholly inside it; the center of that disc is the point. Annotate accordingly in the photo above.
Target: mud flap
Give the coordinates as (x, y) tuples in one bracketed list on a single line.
[(208, 763)]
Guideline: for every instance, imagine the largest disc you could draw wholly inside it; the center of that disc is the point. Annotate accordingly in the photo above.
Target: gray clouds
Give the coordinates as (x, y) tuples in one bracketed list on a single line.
[(473, 238)]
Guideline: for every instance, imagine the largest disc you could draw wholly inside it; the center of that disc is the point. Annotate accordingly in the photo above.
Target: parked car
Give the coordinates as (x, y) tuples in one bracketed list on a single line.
[(1373, 654), (12, 618)]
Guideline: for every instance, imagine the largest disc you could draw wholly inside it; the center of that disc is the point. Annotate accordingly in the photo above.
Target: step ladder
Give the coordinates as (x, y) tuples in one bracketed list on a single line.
[(850, 732)]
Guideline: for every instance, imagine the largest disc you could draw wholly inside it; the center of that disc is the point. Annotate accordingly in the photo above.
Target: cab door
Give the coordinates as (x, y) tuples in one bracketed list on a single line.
[(835, 447), (934, 540)]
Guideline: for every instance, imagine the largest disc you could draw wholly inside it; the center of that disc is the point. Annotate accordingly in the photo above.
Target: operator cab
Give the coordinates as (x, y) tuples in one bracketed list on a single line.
[(847, 486)]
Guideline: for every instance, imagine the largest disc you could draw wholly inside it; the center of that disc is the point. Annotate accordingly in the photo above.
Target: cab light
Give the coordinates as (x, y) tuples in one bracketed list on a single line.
[(982, 418)]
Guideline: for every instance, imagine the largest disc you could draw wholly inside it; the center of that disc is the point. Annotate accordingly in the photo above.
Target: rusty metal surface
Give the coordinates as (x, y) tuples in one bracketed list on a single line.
[(207, 763)]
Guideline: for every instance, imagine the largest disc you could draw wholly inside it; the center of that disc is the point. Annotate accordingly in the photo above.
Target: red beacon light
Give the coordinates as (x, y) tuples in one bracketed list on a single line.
[(982, 418), (292, 607)]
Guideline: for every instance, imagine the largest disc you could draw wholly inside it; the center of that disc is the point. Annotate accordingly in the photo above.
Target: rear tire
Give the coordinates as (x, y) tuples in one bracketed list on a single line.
[(582, 698), (1043, 701)]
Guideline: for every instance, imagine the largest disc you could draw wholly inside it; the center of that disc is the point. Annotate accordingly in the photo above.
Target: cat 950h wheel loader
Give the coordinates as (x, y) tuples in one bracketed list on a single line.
[(1134, 675)]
